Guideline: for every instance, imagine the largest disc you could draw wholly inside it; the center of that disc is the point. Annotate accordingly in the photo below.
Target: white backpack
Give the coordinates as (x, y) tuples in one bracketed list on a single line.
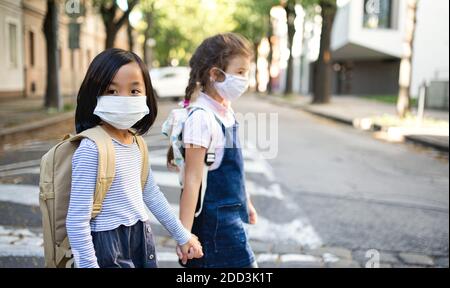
[(173, 129)]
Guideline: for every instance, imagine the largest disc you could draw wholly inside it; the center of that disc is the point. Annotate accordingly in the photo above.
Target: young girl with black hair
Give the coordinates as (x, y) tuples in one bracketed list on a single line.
[(117, 94)]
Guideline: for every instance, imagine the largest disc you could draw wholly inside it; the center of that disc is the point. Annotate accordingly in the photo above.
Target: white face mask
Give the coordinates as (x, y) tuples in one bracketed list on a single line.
[(232, 87), (122, 112)]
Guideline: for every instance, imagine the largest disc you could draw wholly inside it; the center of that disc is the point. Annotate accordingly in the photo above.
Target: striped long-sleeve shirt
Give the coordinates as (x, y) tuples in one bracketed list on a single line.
[(124, 203)]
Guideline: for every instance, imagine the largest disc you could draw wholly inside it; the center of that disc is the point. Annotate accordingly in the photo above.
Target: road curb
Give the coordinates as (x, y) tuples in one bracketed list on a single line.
[(430, 144), (334, 118), (282, 102), (351, 122), (25, 130)]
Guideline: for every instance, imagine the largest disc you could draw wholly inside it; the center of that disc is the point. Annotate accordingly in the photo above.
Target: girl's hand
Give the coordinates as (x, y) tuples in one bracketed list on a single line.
[(190, 250), (253, 215)]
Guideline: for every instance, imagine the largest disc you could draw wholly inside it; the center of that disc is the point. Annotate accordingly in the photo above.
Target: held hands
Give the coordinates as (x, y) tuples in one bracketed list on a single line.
[(253, 215), (190, 250)]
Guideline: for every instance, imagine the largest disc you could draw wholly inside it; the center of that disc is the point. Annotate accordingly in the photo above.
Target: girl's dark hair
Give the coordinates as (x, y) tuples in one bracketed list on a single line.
[(215, 51), (98, 77)]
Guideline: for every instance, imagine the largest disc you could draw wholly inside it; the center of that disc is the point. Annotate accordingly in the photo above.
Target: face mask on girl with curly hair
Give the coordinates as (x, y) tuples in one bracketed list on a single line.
[(232, 87)]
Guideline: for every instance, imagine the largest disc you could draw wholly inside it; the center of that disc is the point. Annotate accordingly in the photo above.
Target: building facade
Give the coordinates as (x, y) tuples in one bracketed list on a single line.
[(368, 40), (367, 47), (12, 78), (23, 65)]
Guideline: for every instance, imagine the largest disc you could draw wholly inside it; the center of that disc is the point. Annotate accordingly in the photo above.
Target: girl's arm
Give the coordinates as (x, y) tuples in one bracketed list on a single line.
[(84, 177), (159, 206), (196, 137), (195, 157)]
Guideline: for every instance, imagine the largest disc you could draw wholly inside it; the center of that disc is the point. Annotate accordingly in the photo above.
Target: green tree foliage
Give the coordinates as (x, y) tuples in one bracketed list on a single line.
[(253, 18), (179, 26), (253, 21)]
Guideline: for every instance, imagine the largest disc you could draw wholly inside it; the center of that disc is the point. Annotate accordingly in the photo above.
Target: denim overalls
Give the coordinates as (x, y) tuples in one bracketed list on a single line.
[(219, 227)]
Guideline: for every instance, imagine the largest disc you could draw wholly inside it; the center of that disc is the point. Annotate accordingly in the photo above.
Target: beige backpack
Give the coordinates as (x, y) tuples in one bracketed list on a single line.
[(55, 186)]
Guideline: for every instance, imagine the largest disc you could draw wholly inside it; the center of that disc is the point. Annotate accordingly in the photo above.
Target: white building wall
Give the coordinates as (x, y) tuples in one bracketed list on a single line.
[(388, 41), (431, 46), (12, 76), (349, 28), (341, 29)]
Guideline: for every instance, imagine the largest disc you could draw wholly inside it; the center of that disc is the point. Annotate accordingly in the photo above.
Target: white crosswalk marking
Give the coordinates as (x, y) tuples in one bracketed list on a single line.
[(166, 179), (298, 231), (20, 165), (30, 170), (20, 194), (35, 146), (20, 242), (23, 242)]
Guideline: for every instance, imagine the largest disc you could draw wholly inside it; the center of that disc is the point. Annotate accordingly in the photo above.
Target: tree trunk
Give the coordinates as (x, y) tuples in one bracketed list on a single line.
[(270, 56), (322, 71), (52, 94), (404, 95), (255, 52), (111, 34), (147, 34), (290, 13), (113, 26), (130, 36)]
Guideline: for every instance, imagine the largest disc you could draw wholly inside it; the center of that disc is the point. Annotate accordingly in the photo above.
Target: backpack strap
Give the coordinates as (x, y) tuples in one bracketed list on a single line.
[(211, 153), (106, 164), (144, 154)]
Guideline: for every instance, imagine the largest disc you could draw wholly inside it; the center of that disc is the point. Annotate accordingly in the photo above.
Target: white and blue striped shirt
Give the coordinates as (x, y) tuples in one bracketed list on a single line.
[(124, 203)]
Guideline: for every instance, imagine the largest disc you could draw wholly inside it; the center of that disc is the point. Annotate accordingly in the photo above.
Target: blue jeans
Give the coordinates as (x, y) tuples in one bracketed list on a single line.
[(126, 247)]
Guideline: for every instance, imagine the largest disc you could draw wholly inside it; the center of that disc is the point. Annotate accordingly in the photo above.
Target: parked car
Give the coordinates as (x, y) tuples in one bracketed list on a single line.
[(170, 82)]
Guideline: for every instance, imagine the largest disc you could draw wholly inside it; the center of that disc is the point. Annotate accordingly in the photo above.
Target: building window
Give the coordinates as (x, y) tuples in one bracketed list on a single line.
[(12, 30), (378, 14), (31, 48), (33, 87)]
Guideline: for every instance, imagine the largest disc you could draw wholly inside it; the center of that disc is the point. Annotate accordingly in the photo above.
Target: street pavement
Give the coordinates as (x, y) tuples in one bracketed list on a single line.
[(332, 197)]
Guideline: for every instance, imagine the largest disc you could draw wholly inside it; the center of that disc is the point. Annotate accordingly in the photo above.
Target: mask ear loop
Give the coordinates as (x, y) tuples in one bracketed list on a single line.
[(225, 75)]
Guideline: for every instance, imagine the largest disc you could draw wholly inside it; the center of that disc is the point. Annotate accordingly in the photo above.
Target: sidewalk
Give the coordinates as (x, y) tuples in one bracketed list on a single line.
[(23, 119), (376, 116)]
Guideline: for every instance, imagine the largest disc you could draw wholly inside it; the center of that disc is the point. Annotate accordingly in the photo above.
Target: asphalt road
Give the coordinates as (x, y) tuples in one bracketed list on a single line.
[(326, 194)]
